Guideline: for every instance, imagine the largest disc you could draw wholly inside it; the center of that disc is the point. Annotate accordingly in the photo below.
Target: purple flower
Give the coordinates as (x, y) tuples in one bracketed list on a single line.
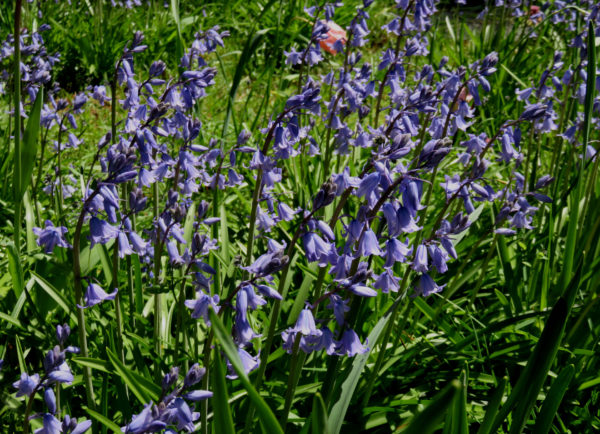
[(51, 425), (94, 294), (145, 421), (369, 245), (61, 374), (315, 247), (249, 363), (387, 282), (427, 286), (198, 395), (194, 375), (305, 324), (27, 384), (339, 306), (181, 413), (350, 345), (50, 399), (396, 251), (201, 305), (363, 291), (101, 232), (420, 263), (51, 236)]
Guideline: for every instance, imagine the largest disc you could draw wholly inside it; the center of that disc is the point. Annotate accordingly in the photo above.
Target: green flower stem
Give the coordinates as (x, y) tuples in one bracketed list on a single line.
[(296, 364), (118, 309), (157, 295), (389, 69), (204, 383), (87, 372), (17, 134)]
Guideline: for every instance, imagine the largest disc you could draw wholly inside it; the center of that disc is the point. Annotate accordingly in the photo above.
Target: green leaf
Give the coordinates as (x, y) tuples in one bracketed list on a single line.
[(139, 385), (338, 411), (492, 407), (97, 364), (15, 269), (531, 379), (553, 399), (222, 411), (30, 143), (428, 420), (55, 295), (9, 319), (29, 222), (20, 355), (319, 415), (459, 423), (265, 414), (103, 420)]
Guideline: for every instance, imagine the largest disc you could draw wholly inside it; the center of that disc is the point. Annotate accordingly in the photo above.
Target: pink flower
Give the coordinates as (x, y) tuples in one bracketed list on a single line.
[(335, 33)]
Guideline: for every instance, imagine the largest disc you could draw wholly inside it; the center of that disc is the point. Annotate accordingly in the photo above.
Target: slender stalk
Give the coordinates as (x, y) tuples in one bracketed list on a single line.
[(157, 295), (87, 372), (17, 101)]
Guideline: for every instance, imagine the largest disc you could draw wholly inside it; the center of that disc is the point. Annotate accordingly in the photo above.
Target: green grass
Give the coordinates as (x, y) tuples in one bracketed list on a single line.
[(510, 345)]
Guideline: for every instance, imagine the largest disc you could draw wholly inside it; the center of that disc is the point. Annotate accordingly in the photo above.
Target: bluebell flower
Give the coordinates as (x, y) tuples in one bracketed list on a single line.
[(27, 384), (427, 286), (198, 395), (94, 294), (72, 426), (305, 324), (350, 345), (339, 306), (387, 282), (50, 399), (250, 363), (194, 375), (316, 248), (201, 305), (181, 413), (396, 251), (61, 374), (362, 290), (243, 332), (101, 232), (268, 292), (51, 425), (144, 422), (420, 262), (369, 245), (51, 236)]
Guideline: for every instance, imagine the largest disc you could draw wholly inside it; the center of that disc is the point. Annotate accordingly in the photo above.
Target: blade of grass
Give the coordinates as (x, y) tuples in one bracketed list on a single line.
[(113, 427), (222, 410), (428, 420), (531, 379), (553, 399), (339, 409), (30, 143), (492, 407), (265, 414)]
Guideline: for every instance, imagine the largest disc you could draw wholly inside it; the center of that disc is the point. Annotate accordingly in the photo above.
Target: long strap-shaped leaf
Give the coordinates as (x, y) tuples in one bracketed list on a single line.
[(222, 411), (29, 148), (428, 420), (553, 399), (339, 409), (528, 386), (265, 414)]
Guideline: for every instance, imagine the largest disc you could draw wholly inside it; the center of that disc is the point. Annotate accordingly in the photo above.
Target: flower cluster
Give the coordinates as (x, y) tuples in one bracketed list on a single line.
[(56, 372)]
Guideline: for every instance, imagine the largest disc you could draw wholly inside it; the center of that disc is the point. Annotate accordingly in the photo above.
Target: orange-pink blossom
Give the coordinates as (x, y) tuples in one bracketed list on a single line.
[(334, 34)]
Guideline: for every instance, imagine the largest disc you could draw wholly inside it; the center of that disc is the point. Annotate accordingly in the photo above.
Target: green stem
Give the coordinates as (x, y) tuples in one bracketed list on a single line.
[(87, 372), (17, 134)]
